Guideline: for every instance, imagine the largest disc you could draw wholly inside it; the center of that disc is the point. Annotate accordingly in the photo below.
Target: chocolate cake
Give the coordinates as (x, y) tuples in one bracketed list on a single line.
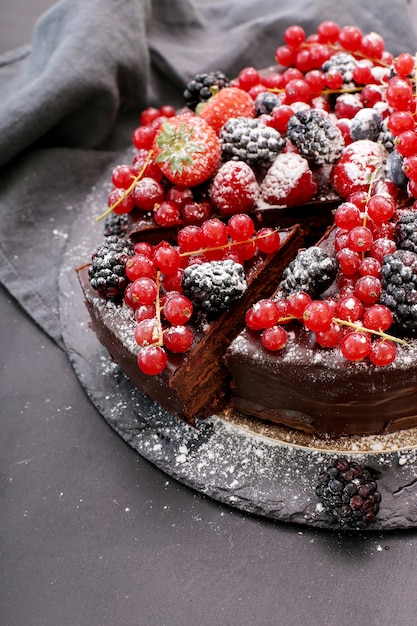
[(194, 384), (318, 391), (321, 152)]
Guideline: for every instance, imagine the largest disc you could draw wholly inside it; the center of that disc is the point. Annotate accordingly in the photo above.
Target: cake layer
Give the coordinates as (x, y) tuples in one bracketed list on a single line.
[(318, 391), (196, 383)]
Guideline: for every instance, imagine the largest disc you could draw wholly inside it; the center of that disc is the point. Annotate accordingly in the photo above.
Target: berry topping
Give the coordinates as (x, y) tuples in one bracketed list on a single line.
[(215, 285), (187, 150), (203, 86), (250, 140), (115, 224), (360, 162), (227, 103), (107, 274), (367, 124), (315, 136), (234, 188), (349, 493), (399, 287), (312, 271), (341, 63), (289, 181), (405, 233)]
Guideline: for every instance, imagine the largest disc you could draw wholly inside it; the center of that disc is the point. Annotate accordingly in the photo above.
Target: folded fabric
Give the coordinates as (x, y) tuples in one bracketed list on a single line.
[(69, 103)]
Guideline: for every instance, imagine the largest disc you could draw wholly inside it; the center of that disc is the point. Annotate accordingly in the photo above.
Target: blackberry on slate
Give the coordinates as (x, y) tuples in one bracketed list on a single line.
[(315, 136), (107, 270), (312, 271), (343, 63), (250, 140), (399, 287), (405, 233), (349, 492), (200, 88), (115, 224), (215, 285)]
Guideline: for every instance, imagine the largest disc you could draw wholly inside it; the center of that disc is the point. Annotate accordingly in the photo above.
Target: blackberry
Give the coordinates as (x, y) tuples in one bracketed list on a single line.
[(399, 287), (315, 136), (265, 102), (349, 492), (312, 271), (366, 124), (107, 270), (200, 88), (343, 63), (405, 233), (115, 224), (215, 285), (250, 140)]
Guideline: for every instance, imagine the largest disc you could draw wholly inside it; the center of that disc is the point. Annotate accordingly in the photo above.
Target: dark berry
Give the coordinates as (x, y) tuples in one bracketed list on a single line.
[(394, 169), (115, 224), (214, 286), (107, 272), (399, 287), (312, 271), (251, 141), (202, 87), (405, 232), (367, 124), (265, 102), (343, 63), (315, 136), (349, 493)]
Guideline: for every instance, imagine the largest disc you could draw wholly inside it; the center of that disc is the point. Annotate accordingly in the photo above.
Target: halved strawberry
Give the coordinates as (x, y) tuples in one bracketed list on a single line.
[(226, 103), (187, 150)]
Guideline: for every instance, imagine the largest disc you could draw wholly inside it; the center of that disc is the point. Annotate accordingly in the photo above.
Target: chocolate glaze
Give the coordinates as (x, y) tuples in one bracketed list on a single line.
[(195, 384), (318, 391)]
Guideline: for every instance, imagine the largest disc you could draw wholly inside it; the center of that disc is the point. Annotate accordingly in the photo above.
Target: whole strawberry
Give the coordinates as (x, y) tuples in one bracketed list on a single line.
[(228, 102), (187, 150)]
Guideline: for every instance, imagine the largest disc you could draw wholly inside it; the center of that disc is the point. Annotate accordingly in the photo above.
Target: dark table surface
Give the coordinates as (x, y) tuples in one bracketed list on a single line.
[(92, 534)]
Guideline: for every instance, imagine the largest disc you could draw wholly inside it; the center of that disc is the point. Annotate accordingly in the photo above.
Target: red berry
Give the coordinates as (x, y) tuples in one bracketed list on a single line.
[(274, 338), (190, 239), (350, 309), (267, 240), (349, 261), (240, 227), (331, 337), (317, 316), (147, 331), (377, 317), (234, 188), (294, 36), (147, 193), (214, 233), (248, 77), (120, 202), (262, 314), (152, 360), (178, 309), (297, 302), (368, 289), (143, 291), (347, 216), (360, 239), (139, 265), (355, 346), (178, 339), (167, 259), (383, 352), (228, 102), (167, 215)]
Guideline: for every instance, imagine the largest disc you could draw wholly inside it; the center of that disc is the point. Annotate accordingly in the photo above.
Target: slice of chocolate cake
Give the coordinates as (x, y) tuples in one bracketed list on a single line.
[(196, 383)]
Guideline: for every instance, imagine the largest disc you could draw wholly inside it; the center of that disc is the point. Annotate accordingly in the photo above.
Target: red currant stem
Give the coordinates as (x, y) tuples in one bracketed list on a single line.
[(128, 190), (227, 245), (380, 333)]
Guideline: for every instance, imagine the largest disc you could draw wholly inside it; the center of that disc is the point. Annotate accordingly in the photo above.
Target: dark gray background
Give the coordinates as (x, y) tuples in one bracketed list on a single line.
[(91, 534)]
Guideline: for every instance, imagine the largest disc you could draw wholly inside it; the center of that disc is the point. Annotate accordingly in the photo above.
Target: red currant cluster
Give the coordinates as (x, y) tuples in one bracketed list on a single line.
[(363, 235), (155, 291)]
